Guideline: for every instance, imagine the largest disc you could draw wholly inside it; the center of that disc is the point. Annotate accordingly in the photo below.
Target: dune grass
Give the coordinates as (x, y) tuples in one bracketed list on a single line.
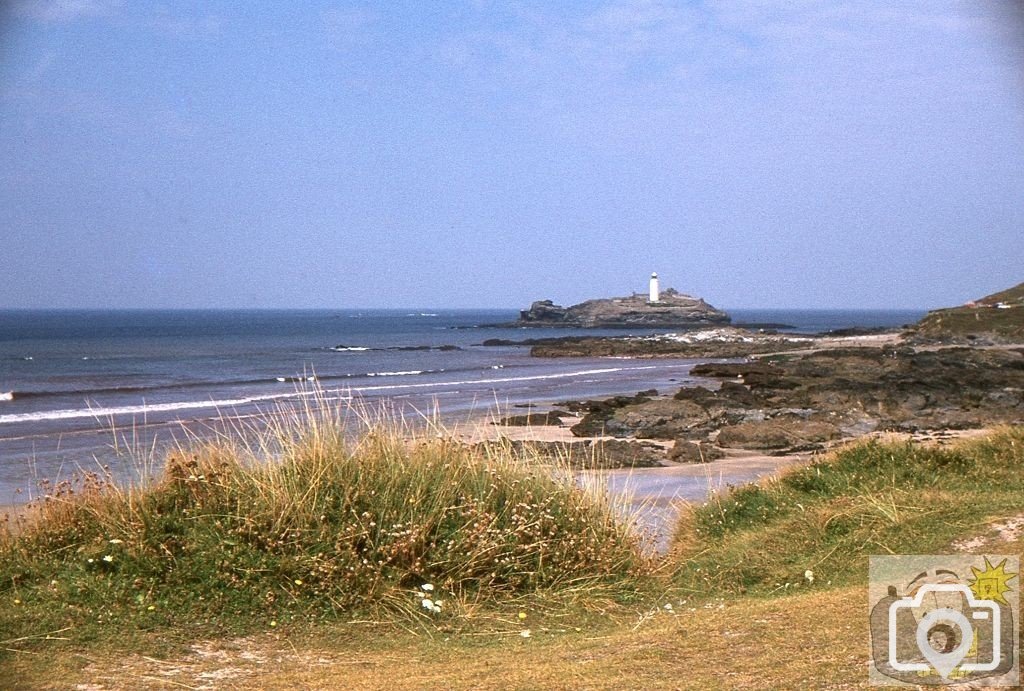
[(307, 524), (816, 525)]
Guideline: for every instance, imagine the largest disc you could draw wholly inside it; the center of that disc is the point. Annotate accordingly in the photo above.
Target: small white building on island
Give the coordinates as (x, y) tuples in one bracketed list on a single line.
[(655, 291)]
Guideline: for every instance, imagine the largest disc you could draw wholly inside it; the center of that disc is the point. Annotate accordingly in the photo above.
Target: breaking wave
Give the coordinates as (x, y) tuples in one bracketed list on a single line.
[(101, 412)]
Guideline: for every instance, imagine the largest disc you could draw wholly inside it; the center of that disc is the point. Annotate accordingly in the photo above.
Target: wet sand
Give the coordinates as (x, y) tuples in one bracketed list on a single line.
[(653, 496)]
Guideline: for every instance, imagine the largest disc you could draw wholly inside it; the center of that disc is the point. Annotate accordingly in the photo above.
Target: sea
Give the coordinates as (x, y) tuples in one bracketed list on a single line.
[(87, 390)]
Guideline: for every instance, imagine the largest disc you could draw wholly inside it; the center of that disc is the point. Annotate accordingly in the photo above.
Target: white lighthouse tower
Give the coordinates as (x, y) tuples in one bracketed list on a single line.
[(655, 292)]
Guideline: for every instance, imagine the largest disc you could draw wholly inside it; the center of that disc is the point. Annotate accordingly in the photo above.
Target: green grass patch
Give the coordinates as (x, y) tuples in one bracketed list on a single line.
[(828, 517), (308, 526)]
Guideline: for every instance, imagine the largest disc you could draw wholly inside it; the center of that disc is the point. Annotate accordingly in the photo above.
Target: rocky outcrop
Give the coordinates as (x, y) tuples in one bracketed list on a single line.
[(673, 310), (801, 402), (599, 412), (546, 419), (788, 433), (715, 342), (545, 311), (686, 451), (803, 393)]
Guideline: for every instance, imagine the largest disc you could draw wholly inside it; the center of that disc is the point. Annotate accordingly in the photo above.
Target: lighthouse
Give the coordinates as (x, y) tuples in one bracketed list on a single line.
[(655, 293)]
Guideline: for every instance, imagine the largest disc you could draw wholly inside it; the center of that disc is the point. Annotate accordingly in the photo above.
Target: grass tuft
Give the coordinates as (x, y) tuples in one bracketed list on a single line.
[(303, 522)]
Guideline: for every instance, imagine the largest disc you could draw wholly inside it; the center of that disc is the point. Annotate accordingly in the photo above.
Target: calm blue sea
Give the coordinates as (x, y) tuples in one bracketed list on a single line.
[(74, 382)]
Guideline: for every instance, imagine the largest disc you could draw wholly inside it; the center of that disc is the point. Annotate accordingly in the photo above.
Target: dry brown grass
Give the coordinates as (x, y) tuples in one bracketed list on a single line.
[(814, 640)]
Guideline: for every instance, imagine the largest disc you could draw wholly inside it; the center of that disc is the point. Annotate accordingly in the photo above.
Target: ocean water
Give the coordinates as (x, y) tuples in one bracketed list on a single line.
[(75, 384), (820, 321)]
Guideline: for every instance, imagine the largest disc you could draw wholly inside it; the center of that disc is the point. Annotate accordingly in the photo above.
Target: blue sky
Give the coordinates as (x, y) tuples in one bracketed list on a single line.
[(483, 154)]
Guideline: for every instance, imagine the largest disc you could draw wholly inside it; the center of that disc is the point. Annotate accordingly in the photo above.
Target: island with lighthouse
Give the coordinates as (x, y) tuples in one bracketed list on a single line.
[(654, 309)]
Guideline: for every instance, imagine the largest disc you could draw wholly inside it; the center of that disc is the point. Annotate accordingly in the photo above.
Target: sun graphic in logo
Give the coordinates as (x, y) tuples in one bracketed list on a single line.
[(991, 583)]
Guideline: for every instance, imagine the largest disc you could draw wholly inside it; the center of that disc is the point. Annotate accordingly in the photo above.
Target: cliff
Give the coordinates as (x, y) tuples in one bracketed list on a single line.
[(673, 310)]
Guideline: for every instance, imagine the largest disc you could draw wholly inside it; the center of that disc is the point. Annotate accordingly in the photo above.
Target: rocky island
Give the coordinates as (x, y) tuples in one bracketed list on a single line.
[(668, 309)]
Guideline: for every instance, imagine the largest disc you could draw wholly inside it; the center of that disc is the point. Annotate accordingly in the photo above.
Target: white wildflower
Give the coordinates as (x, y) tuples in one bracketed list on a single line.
[(427, 603), (108, 558), (115, 541), (427, 587), (525, 633), (668, 607), (809, 575)]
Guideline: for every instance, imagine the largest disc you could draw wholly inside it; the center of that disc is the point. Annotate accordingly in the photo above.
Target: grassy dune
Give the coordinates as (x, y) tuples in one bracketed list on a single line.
[(1000, 316), (311, 569), (227, 541), (870, 498)]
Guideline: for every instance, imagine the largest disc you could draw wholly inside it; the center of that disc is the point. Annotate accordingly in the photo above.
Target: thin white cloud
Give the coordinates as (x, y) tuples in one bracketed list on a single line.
[(348, 28), (630, 73), (99, 112), (41, 66), (170, 21), (646, 47), (186, 27), (65, 10)]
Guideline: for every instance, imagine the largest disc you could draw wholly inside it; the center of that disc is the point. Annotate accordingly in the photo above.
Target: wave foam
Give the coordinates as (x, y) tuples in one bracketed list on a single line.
[(397, 374), (145, 409)]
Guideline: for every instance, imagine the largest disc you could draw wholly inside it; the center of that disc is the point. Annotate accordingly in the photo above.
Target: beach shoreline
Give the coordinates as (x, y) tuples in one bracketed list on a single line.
[(731, 403), (673, 480)]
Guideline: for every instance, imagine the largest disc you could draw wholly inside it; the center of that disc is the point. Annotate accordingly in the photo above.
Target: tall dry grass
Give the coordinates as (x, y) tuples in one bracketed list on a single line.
[(297, 515)]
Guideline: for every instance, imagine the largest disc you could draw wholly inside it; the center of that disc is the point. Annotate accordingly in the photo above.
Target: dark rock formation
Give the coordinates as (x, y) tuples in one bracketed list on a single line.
[(545, 311), (686, 451), (553, 417), (673, 310), (598, 412), (803, 401), (752, 374), (716, 342), (787, 433)]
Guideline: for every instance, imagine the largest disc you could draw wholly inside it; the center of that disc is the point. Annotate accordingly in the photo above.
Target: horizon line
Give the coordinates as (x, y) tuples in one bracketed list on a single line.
[(418, 309)]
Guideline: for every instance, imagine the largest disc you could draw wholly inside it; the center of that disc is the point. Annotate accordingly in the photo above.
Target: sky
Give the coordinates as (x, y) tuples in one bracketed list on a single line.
[(807, 153)]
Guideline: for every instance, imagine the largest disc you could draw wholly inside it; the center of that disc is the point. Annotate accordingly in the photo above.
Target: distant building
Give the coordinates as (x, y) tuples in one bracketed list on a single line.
[(655, 293)]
